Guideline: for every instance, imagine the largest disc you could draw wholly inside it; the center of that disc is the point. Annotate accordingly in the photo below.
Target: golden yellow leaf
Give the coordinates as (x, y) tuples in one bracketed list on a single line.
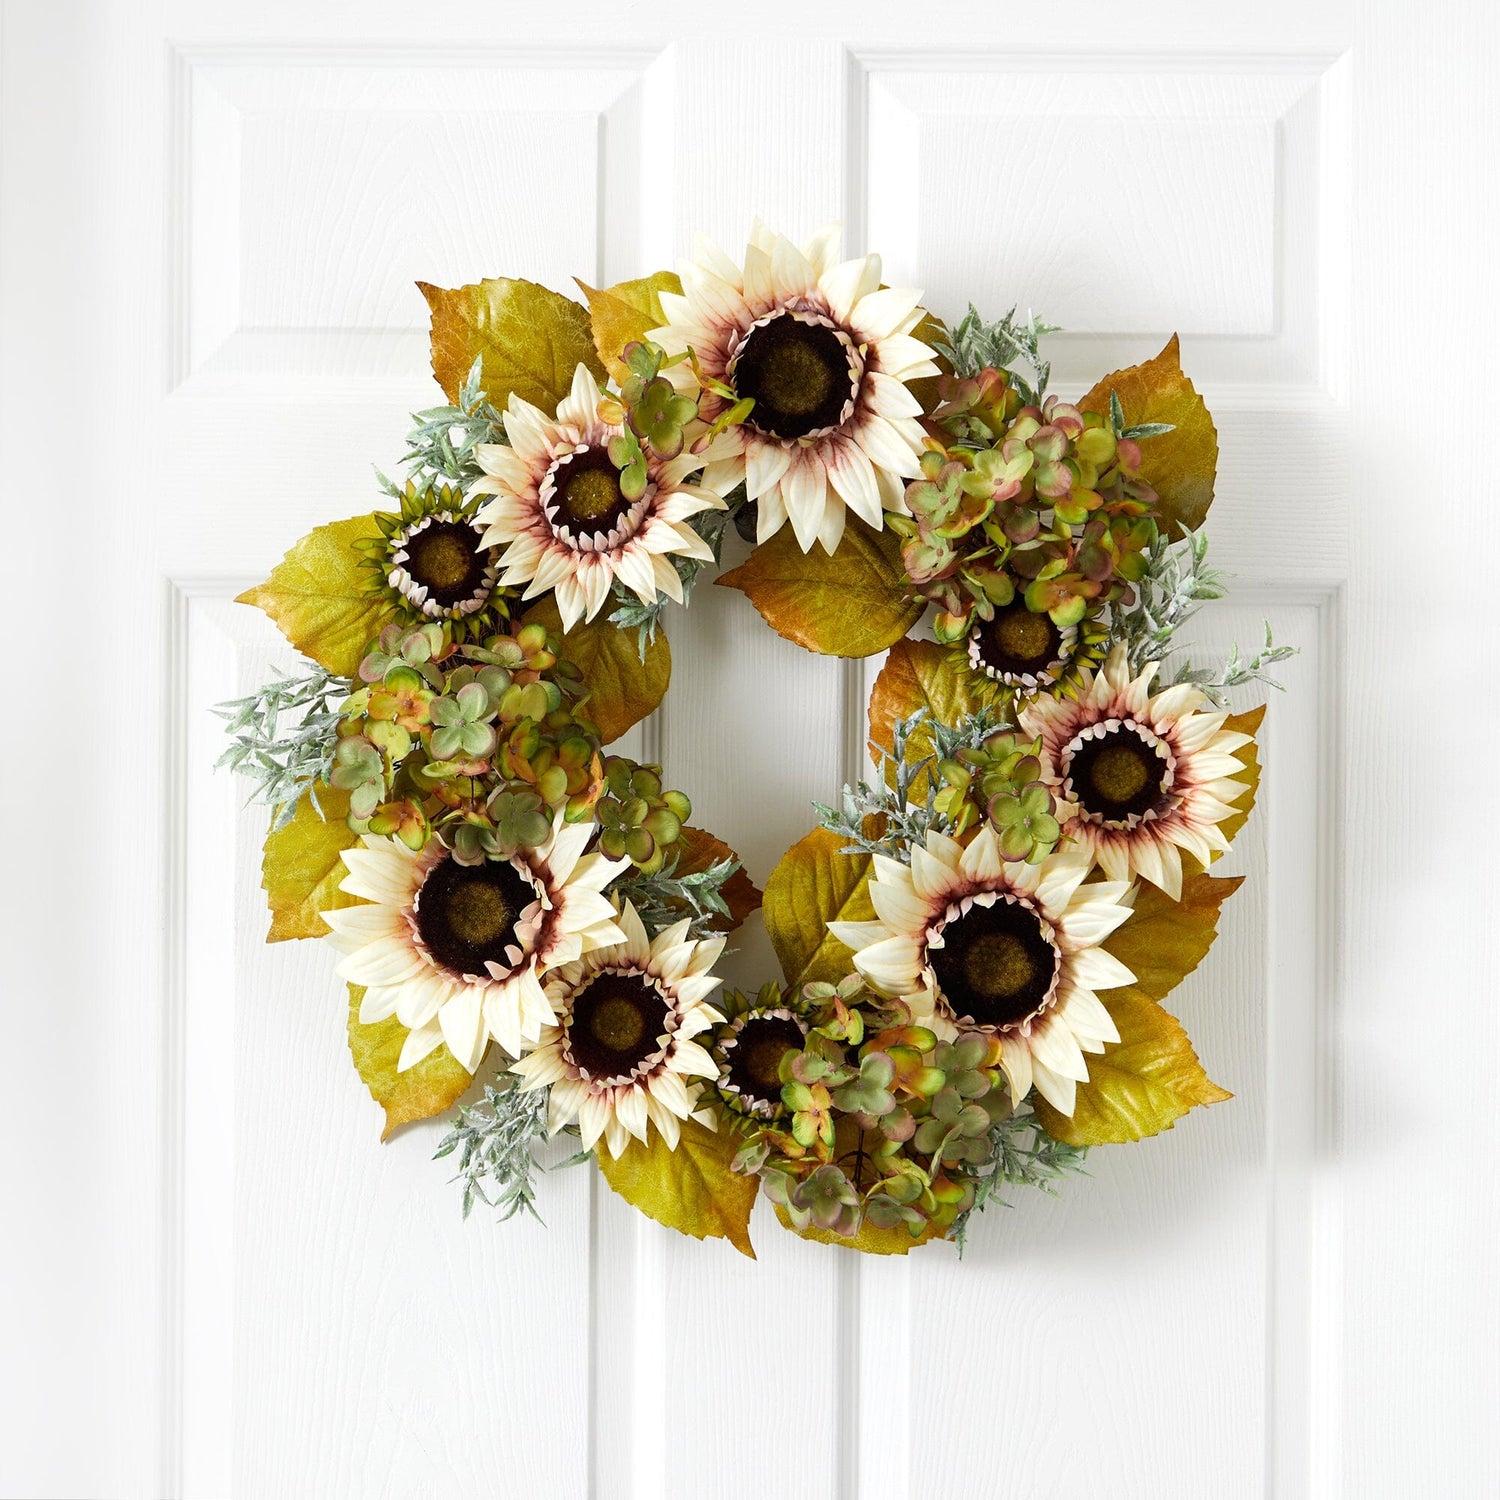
[(1179, 465), (530, 338), (626, 312), (813, 885), (1248, 757), (690, 1189), (869, 1240), (853, 603), (1143, 1084), (302, 866), (1164, 940), (916, 675), (428, 1088), (698, 851), (321, 597), (623, 689)]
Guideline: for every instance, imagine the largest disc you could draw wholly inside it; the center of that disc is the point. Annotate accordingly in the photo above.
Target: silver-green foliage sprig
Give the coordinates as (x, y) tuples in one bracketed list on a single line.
[(442, 440), (908, 819), (495, 1143), (1177, 583), (1022, 1154), (283, 736), (667, 897), (973, 345)]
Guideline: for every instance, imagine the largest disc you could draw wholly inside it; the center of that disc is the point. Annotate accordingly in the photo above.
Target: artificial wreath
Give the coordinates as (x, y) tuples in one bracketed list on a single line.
[(975, 943)]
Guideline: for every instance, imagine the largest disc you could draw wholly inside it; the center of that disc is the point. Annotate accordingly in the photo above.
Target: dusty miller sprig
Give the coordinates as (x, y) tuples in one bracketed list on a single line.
[(906, 820), (645, 619), (973, 345), (285, 763), (1022, 1155), (442, 440), (495, 1141), (667, 897), (1178, 582)]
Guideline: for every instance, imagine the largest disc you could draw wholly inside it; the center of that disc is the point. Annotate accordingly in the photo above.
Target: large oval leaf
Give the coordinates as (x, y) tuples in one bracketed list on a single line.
[(813, 885), (1179, 465), (1164, 940), (302, 866), (428, 1088), (529, 338), (853, 603), (1143, 1084), (626, 312), (623, 688), (321, 596), (691, 1189)]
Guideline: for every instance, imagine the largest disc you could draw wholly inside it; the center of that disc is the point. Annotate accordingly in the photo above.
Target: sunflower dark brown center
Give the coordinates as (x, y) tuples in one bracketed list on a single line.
[(1117, 774), (756, 1056), (588, 492), (996, 964), (1018, 640), (446, 559), (467, 914), (797, 374), (615, 1025)]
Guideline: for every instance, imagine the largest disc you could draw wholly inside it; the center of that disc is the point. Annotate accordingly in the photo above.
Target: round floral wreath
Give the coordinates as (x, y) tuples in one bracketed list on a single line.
[(974, 945)]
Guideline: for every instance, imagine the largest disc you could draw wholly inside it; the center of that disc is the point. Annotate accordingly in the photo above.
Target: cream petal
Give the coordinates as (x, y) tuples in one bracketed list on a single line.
[(831, 527), (804, 489), (378, 1004), (531, 434), (1098, 969), (884, 445), (1059, 1092), (419, 1044), (853, 477), (880, 314), (845, 284), (630, 1111)]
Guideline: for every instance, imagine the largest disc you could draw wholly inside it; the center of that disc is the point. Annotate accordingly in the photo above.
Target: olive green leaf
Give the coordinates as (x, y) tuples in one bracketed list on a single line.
[(813, 885), (691, 1189), (698, 851), (303, 865), (1164, 940), (853, 603), (427, 1088), (1143, 1084), (870, 1239), (1179, 465), (623, 689), (922, 675), (320, 598), (626, 312), (530, 339)]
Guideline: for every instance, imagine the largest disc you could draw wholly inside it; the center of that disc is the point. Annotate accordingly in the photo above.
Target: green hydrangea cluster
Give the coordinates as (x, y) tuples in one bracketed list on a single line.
[(1000, 780), (482, 744), (1045, 502), (882, 1123)]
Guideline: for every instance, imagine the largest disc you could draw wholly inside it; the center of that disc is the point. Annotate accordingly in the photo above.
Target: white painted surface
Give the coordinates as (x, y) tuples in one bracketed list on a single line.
[(216, 1281)]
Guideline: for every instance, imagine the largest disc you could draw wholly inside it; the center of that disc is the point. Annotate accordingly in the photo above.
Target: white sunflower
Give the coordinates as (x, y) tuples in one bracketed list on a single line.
[(622, 1054), (563, 520), (458, 953), (970, 940), (826, 353), (1139, 777)]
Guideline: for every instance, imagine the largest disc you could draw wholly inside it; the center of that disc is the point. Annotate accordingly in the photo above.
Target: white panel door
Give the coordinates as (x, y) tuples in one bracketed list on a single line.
[(217, 1282)]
